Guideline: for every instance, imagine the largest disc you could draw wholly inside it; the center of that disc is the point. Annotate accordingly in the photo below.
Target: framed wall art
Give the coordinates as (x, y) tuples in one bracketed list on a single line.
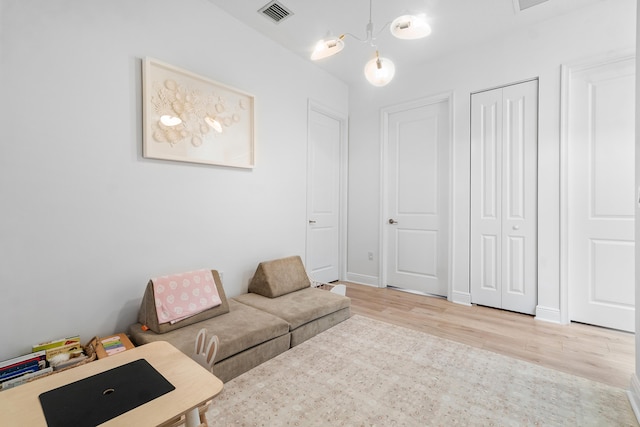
[(190, 118)]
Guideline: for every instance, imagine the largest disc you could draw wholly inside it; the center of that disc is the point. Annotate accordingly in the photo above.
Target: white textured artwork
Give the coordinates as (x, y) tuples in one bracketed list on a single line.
[(193, 119)]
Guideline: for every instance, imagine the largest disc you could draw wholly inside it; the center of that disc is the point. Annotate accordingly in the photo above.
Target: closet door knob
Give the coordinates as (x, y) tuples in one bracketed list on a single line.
[(392, 221)]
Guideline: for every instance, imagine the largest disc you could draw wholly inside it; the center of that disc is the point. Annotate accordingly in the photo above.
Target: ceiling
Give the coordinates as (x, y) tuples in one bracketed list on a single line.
[(456, 25)]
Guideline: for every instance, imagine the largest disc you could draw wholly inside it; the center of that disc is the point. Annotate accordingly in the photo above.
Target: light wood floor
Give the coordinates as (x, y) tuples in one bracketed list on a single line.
[(596, 353)]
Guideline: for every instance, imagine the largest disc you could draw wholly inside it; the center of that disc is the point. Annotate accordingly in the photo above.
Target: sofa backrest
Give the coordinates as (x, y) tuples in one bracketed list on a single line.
[(279, 277), (148, 316)]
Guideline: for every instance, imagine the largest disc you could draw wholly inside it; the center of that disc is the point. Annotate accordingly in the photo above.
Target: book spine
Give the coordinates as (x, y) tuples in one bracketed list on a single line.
[(64, 349), (56, 343), (19, 373), (24, 378), (40, 355), (14, 368)]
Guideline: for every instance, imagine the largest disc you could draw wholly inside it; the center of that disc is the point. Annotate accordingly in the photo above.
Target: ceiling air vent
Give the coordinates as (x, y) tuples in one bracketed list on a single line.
[(520, 5), (275, 11)]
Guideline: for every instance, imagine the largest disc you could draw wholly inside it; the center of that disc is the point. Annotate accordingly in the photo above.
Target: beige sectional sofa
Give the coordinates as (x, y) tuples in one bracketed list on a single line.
[(280, 311)]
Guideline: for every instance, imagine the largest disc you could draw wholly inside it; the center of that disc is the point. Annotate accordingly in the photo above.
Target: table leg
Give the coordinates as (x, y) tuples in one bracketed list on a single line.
[(192, 418)]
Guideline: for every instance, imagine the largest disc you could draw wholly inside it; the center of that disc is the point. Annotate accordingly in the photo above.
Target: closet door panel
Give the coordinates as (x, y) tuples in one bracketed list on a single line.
[(520, 203), (486, 195), (503, 270)]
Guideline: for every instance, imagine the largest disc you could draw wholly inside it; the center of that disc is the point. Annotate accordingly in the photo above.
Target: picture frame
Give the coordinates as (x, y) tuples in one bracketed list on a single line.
[(191, 118)]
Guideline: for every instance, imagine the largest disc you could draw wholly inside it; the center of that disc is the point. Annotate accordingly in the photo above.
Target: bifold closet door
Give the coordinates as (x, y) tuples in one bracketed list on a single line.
[(503, 270)]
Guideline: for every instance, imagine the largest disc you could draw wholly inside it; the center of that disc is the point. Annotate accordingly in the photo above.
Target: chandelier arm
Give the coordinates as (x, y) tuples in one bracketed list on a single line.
[(356, 37), (378, 71)]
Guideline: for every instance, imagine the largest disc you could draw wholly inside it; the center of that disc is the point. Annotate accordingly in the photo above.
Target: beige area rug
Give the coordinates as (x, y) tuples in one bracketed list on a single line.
[(364, 372)]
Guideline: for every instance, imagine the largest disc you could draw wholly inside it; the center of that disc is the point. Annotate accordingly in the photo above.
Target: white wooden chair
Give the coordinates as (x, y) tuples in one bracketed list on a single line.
[(204, 354)]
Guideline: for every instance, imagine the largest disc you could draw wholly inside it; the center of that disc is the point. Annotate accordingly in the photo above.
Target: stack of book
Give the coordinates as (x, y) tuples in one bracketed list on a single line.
[(113, 345), (43, 359), (63, 352), (21, 369)]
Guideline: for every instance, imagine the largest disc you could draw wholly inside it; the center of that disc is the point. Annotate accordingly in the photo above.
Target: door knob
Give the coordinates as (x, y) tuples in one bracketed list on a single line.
[(392, 221), (516, 227), (311, 221)]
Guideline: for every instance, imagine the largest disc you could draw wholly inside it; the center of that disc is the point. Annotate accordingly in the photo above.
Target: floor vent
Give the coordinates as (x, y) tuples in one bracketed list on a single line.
[(521, 5), (275, 11)]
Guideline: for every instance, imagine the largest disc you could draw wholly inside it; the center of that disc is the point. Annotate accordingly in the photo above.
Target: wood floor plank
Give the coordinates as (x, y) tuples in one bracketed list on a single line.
[(599, 354)]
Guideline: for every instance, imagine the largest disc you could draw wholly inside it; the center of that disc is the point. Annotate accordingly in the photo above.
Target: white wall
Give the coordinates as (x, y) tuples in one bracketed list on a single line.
[(634, 390), (532, 52), (85, 221)]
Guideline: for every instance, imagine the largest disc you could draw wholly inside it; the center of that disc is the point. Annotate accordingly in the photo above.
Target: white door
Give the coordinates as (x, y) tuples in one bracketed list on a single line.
[(417, 187), (504, 141), (325, 146), (601, 174)]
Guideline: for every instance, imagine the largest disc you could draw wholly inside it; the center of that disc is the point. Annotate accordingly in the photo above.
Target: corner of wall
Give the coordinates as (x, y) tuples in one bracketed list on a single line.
[(634, 396), (362, 279), (548, 314), (463, 298)]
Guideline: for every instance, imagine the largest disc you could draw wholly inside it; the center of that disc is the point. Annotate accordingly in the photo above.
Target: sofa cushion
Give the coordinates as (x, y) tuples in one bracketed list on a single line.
[(311, 329), (147, 315), (279, 277), (240, 363), (241, 328), (298, 308), (179, 296)]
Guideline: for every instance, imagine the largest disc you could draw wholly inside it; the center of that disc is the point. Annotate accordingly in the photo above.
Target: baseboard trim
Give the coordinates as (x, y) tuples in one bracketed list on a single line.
[(548, 314), (634, 396), (362, 279), (463, 298)]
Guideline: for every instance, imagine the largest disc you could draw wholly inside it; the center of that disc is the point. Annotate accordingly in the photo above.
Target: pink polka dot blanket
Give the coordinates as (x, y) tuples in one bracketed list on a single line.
[(180, 296)]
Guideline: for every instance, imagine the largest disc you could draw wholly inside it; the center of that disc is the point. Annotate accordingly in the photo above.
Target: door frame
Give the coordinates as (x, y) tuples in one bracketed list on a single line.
[(563, 316), (384, 176), (315, 106)]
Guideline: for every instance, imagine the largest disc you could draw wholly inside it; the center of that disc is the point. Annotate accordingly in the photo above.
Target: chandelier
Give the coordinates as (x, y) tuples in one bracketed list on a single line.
[(379, 71)]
